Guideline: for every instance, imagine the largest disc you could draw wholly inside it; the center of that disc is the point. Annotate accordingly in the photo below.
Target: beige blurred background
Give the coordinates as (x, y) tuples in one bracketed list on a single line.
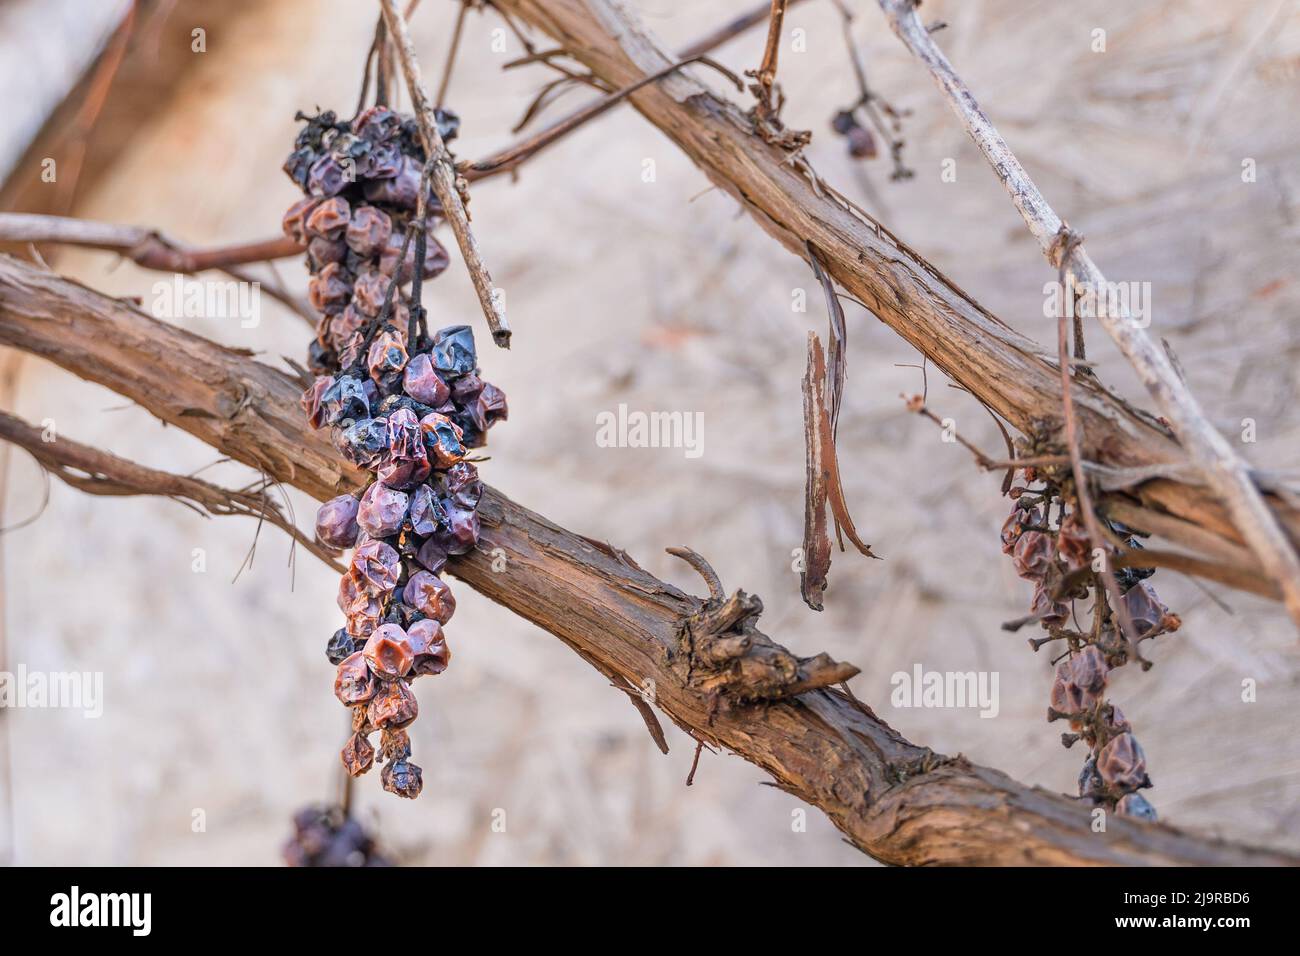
[(659, 295)]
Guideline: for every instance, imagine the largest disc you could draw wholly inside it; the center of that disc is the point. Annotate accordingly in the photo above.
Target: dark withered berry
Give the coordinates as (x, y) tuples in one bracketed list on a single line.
[(336, 522), (425, 513), (353, 682), (393, 705), (1136, 806), (430, 646), (394, 744), (422, 383), (341, 646), (453, 351), (432, 556), (388, 652), (442, 437), (430, 595), (329, 219), (358, 755), (344, 400), (368, 231), (375, 567), (402, 778), (460, 532), (382, 510), (1122, 763), (364, 441)]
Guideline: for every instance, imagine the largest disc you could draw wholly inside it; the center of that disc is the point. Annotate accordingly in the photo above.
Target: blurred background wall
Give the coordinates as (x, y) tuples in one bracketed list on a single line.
[(659, 295)]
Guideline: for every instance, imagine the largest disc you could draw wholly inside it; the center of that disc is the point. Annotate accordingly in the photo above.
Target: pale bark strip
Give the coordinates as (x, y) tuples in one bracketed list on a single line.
[(1224, 470), (1014, 376), (444, 177), (897, 801)]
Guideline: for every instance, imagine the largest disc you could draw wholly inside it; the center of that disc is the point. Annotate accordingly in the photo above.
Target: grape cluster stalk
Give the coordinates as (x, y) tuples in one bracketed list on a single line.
[(405, 405), (1049, 546)]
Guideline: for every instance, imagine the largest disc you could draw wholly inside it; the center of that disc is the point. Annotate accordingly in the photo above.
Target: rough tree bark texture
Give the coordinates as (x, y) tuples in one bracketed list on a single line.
[(699, 660), (1013, 375)]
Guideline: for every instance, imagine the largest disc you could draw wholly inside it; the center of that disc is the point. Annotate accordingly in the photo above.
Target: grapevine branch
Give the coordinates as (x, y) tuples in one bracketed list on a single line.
[(712, 672), (1224, 471), (1015, 377), (101, 473)]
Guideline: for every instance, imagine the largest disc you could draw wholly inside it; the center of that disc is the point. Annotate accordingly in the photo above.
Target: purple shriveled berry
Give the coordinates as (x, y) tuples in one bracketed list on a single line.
[(353, 682), (375, 567), (862, 145), (336, 522), (442, 436), (329, 219), (1049, 612), (393, 705), (382, 510), (422, 383), (350, 353), (461, 532), (364, 441), (340, 647), (383, 161), (432, 556), (466, 388), (358, 756), (368, 231), (1088, 670), (312, 400), (426, 514), (430, 646), (435, 258), (1115, 721), (394, 744), (378, 124), (489, 408), (1091, 786), (330, 289), (368, 292), (1068, 698), (843, 121), (1033, 555), (322, 252), (401, 190), (344, 400), (429, 595), (342, 326), (389, 653), (453, 351), (327, 177), (1122, 763), (402, 778), (1136, 806), (387, 356), (460, 483), (1147, 611), (405, 462), (294, 222)]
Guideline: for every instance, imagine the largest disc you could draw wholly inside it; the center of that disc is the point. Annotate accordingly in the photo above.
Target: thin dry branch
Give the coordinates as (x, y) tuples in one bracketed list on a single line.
[(1013, 376), (443, 177), (99, 472), (150, 249), (1223, 469), (712, 672)]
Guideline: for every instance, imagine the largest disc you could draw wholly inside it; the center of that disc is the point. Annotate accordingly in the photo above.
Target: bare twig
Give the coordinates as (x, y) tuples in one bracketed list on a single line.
[(101, 473), (1225, 472), (766, 74), (444, 178), (450, 65)]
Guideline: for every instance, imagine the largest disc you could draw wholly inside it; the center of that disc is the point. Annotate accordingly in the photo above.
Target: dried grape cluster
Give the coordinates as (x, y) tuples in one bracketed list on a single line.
[(400, 403), (327, 837), (1057, 556)]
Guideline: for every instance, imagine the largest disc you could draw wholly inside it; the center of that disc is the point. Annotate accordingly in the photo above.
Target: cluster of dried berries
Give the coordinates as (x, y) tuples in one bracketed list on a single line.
[(1049, 546), (326, 836), (400, 403)]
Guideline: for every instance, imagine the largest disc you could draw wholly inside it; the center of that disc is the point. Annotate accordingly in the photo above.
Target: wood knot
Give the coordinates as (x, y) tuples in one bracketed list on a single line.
[(721, 653)]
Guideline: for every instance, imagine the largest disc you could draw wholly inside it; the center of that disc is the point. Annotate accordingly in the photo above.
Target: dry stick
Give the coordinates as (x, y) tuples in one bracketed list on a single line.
[(766, 74), (512, 156), (441, 99), (150, 249), (898, 801), (1224, 471), (444, 177), (99, 472), (1010, 373), (1128, 634)]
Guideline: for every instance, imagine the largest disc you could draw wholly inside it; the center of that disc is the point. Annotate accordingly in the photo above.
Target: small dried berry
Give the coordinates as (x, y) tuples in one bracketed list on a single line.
[(295, 220), (394, 744), (453, 351), (388, 652), (402, 778), (1088, 670), (430, 596), (430, 646), (1122, 763), (329, 219), (422, 383), (353, 682), (369, 291), (358, 755), (312, 400), (1136, 806), (341, 646), (442, 436), (368, 231), (393, 705), (330, 290), (344, 400), (364, 441), (386, 357), (382, 510), (336, 522), (425, 514), (375, 567), (460, 533), (432, 556), (1033, 555)]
